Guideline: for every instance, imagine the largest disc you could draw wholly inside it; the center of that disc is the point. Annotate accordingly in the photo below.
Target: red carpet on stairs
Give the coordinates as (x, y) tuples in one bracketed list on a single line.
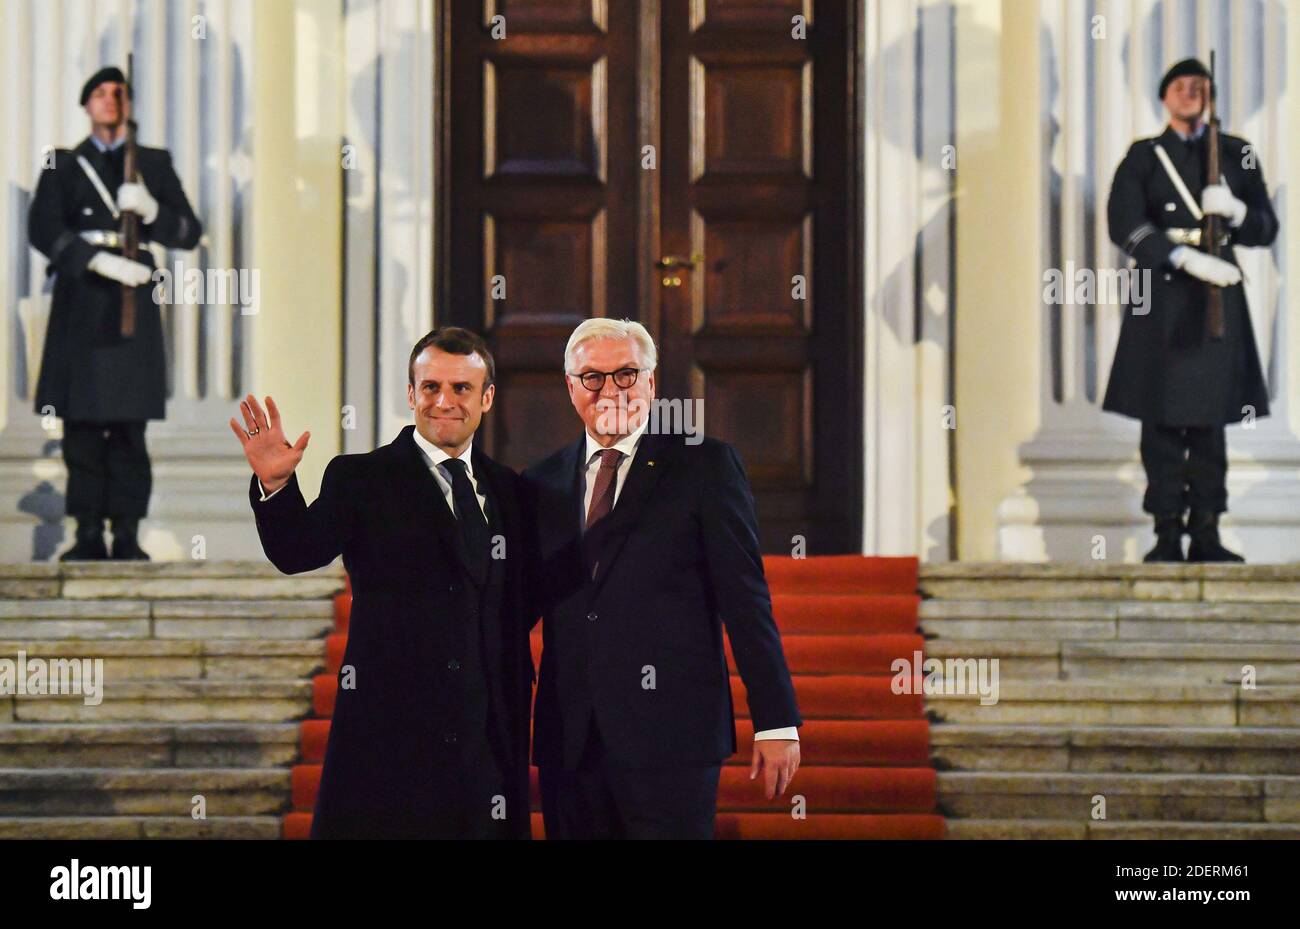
[(866, 770)]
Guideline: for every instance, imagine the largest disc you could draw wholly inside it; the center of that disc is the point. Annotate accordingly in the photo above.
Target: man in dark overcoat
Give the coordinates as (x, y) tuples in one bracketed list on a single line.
[(429, 737), (1184, 383), (105, 386)]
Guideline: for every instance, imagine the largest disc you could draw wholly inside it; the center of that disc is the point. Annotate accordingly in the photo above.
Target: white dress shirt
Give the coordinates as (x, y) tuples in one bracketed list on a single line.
[(628, 445), (433, 457)]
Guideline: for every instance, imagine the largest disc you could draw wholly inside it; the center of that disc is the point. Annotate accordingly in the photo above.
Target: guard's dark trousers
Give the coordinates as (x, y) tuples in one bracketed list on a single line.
[(108, 470), (1186, 467)]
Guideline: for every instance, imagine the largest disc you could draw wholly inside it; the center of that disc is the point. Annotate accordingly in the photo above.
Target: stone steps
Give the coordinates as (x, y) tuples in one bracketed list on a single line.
[(1118, 749), (182, 659), (144, 791), (169, 701), (148, 745), (1123, 681), (998, 829), (206, 674), (139, 827), (1108, 620), (1111, 581), (1122, 702), (1071, 796), (1184, 662), (41, 619)]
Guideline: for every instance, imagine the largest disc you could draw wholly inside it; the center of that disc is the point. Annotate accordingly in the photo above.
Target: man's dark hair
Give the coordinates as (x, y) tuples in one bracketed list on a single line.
[(454, 341)]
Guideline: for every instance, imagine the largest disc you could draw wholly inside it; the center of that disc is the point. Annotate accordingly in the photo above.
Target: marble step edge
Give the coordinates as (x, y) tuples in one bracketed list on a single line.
[(142, 779), (178, 608), (1263, 652), (1154, 737), (47, 570), (1070, 783), (180, 689), (976, 829), (162, 648), (1122, 690), (994, 571), (1109, 610), (151, 733), (140, 827)]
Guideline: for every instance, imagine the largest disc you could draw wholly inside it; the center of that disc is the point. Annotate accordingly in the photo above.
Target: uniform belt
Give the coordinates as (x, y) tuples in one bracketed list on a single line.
[(1190, 237), (107, 238)]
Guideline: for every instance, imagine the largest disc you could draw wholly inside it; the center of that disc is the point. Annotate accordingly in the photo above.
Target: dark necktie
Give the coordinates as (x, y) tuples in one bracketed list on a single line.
[(473, 527), (602, 501), (116, 159)]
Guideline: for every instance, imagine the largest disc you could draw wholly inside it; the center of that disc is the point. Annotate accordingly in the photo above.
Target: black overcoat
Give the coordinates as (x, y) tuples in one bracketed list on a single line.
[(639, 647), (89, 372), (1166, 371), (401, 753)]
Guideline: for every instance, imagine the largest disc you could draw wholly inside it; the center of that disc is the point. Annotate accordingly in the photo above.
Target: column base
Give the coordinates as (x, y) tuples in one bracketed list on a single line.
[(1084, 502), (199, 508)]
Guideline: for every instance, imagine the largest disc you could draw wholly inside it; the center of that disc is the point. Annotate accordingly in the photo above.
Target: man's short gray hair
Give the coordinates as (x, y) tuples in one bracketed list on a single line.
[(601, 328)]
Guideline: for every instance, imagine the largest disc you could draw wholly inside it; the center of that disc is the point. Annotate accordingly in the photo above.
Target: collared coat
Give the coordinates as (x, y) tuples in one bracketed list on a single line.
[(89, 371), (1166, 370), (437, 671)]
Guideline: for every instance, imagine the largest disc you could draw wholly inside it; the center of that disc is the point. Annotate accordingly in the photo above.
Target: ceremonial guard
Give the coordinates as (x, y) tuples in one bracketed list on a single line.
[(103, 371), (1187, 364)]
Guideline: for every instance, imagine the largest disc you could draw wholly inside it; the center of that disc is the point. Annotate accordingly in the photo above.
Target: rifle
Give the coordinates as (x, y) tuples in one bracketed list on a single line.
[(1214, 326), (130, 228)]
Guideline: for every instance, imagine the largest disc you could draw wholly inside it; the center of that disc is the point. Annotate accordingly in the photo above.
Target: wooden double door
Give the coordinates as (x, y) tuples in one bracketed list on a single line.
[(687, 163)]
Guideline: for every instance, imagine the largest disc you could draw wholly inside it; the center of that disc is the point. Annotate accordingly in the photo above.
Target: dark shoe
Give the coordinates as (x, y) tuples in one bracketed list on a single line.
[(125, 546), (1169, 540), (1204, 530), (90, 542)]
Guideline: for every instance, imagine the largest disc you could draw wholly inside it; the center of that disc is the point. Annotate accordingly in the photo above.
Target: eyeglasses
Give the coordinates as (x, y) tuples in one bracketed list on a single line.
[(595, 380)]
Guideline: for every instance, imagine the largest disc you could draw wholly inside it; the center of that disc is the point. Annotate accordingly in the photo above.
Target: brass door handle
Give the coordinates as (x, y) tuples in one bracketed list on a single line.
[(669, 262)]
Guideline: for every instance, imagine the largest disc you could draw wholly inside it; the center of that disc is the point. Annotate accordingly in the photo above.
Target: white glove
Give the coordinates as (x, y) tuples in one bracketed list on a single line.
[(122, 270), (1205, 267), (137, 199), (1219, 200)]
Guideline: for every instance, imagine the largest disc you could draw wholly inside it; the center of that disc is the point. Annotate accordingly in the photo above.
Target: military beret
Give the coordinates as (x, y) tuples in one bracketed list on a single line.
[(103, 76), (1188, 67)]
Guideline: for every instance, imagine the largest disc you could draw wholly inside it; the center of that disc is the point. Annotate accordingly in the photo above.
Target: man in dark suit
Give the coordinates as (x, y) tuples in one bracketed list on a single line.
[(103, 385), (430, 731), (645, 546), (1183, 384)]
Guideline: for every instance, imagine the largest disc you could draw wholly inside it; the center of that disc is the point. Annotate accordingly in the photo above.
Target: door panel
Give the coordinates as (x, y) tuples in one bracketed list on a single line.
[(540, 234), (544, 186), (756, 189)]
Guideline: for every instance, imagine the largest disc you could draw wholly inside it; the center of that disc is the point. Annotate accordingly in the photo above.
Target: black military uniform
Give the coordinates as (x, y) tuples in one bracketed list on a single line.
[(1183, 385), (103, 386)]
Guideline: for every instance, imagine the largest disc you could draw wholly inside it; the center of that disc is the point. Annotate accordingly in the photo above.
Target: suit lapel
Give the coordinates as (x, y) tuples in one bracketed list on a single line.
[(500, 518), (567, 491), (651, 460), (425, 490)]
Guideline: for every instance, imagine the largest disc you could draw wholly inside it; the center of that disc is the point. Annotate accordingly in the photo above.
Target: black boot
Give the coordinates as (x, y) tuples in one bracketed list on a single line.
[(1203, 527), (1169, 540), (90, 541), (125, 546)]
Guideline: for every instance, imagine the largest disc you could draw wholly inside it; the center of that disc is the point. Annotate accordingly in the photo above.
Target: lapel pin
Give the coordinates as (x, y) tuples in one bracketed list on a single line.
[(649, 464)]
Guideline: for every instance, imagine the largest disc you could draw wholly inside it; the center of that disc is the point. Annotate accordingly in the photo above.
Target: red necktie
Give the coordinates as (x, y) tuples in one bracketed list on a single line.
[(602, 501), (602, 495)]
